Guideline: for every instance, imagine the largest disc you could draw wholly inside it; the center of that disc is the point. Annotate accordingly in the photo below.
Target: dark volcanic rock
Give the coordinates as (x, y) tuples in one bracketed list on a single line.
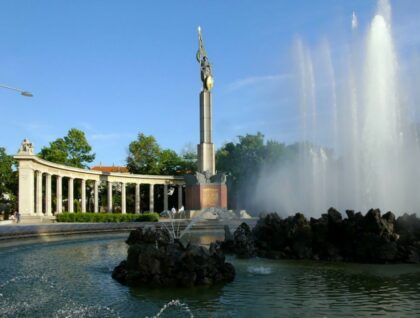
[(408, 229), (271, 233), (154, 260), (241, 243), (244, 241), (228, 245), (371, 238), (283, 238)]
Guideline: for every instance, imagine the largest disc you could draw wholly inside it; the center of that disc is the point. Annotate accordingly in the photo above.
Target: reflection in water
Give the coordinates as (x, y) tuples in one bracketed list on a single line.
[(259, 270), (204, 237), (72, 278)]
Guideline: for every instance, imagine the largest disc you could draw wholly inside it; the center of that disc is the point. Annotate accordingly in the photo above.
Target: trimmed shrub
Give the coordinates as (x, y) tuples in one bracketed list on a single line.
[(148, 217), (106, 217)]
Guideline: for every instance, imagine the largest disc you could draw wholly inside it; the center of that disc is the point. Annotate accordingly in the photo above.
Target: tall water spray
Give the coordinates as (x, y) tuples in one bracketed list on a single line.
[(375, 159)]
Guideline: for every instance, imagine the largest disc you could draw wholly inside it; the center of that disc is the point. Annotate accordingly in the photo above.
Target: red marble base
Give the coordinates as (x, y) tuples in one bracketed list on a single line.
[(207, 195)]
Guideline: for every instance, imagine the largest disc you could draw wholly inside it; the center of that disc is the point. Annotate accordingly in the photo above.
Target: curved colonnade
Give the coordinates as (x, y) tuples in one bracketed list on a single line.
[(36, 201)]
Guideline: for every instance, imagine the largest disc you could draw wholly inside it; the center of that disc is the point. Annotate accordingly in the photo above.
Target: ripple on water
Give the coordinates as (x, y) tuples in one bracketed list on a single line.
[(76, 310), (74, 280), (259, 270)]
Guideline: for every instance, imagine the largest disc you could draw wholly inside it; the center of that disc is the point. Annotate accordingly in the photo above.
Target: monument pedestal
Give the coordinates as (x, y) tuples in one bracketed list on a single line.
[(206, 195)]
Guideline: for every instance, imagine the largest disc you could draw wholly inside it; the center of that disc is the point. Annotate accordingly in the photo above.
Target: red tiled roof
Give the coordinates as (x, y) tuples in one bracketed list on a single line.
[(120, 169)]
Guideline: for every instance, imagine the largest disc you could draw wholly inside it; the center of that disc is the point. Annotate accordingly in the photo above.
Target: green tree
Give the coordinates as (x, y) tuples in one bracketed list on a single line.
[(169, 162), (71, 150), (275, 152), (244, 160), (143, 155), (188, 163), (8, 178)]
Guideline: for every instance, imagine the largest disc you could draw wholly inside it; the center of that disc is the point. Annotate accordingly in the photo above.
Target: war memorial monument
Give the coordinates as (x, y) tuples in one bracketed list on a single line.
[(205, 189)]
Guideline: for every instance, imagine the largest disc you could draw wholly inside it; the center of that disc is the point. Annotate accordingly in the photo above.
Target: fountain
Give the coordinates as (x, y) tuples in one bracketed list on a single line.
[(164, 257), (155, 258), (173, 303), (373, 155), (182, 222)]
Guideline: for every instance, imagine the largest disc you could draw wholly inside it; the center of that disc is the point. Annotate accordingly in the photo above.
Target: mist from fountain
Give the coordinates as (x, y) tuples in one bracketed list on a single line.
[(374, 156), (176, 232)]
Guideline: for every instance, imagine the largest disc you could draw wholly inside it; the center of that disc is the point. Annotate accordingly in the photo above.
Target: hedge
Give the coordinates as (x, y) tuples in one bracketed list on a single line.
[(106, 217)]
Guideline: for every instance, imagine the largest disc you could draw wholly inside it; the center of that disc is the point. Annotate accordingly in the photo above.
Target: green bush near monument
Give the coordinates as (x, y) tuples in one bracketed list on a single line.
[(107, 217)]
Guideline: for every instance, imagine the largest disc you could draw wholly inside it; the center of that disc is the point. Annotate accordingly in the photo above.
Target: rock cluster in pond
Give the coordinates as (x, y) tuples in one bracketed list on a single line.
[(373, 238), (154, 259)]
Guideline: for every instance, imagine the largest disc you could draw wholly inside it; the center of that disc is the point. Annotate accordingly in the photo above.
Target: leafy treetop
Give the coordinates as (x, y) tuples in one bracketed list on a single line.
[(8, 175), (71, 150), (145, 156)]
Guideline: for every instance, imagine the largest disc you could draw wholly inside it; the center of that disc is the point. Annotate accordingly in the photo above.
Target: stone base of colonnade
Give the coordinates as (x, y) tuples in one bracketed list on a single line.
[(36, 219)]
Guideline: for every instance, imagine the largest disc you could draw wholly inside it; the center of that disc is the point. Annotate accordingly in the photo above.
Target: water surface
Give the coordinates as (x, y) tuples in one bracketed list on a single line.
[(72, 278)]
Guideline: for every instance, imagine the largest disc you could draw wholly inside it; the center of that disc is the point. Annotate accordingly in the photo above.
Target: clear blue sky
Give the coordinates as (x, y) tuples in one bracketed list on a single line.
[(116, 68)]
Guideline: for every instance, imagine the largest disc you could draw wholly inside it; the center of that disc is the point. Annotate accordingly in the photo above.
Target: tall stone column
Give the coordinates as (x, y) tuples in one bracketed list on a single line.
[(137, 198), (96, 197), (179, 196), (151, 198), (109, 201), (206, 159), (48, 206), (39, 192), (83, 189), (123, 201), (59, 194), (70, 196), (26, 188), (165, 197)]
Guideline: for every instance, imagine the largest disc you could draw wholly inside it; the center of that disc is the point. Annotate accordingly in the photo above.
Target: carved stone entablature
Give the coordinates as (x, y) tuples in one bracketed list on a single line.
[(205, 178)]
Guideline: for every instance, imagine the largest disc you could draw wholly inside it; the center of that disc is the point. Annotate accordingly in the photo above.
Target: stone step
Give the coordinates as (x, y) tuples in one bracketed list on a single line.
[(30, 219)]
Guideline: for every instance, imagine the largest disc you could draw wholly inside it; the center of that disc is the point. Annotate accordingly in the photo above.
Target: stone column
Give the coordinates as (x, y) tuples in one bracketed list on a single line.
[(151, 198), (70, 196), (179, 196), (83, 196), (39, 192), (109, 201), (123, 202), (137, 198), (48, 209), (205, 150), (26, 188), (95, 197), (165, 197), (59, 194)]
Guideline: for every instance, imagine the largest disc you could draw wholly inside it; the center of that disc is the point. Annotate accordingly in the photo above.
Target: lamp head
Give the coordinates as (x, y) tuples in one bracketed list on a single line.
[(27, 94)]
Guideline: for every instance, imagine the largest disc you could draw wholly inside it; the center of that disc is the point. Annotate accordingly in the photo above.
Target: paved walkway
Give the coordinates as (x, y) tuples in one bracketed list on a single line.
[(15, 231)]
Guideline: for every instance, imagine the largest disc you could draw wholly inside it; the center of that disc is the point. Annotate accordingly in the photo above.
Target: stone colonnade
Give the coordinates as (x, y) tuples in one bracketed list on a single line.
[(34, 200)]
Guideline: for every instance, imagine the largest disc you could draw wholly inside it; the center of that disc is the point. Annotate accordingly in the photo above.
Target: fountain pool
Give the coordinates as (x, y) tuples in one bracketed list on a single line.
[(72, 278)]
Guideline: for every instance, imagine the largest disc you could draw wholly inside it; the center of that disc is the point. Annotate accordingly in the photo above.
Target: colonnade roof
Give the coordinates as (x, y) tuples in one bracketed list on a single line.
[(37, 164)]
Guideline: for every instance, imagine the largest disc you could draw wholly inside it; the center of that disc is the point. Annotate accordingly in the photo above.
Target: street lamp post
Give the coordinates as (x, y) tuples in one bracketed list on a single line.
[(22, 92)]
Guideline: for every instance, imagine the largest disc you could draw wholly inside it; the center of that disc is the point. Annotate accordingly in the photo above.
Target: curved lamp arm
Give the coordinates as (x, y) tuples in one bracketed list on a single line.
[(22, 92)]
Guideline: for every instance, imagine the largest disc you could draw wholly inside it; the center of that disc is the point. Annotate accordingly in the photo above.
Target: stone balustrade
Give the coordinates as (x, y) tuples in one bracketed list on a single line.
[(34, 173)]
